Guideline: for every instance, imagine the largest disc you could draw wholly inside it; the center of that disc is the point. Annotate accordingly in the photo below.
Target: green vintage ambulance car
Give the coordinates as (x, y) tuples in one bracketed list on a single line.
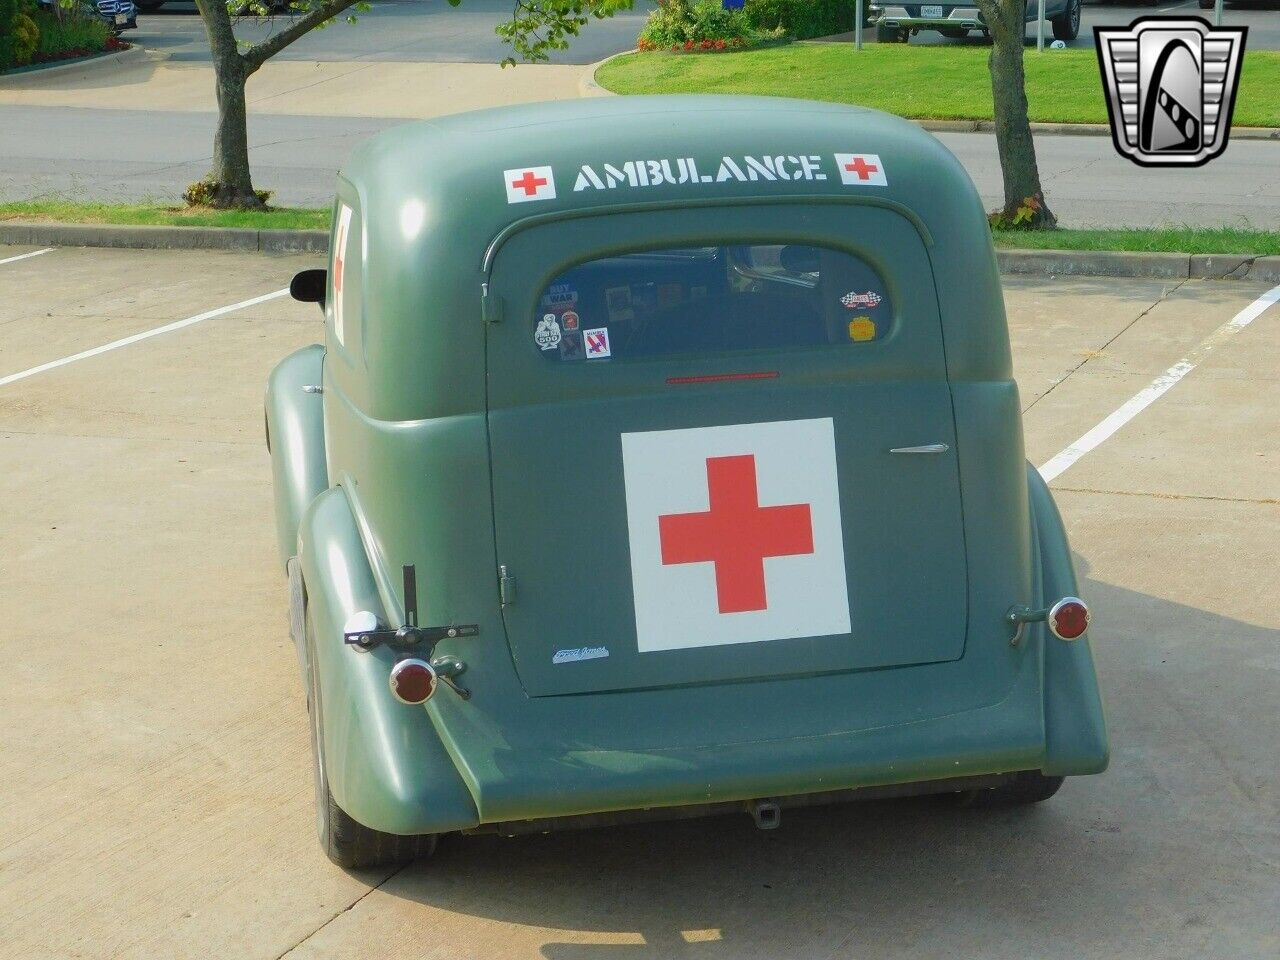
[(663, 457)]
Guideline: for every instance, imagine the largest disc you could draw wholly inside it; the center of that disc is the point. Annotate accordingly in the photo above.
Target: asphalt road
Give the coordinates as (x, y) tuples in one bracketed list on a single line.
[(156, 766), (151, 155), (404, 30), (431, 30)]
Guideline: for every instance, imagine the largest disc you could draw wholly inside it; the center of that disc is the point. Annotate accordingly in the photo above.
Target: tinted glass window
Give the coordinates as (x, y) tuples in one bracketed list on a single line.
[(710, 300)]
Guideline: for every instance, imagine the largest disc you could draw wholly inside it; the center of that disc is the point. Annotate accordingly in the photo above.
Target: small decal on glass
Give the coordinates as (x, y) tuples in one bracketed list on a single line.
[(597, 343), (862, 329), (861, 301), (547, 335), (571, 347)]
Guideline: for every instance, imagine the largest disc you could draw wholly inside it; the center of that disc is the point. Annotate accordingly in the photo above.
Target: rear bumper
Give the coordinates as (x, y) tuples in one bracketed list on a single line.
[(960, 18)]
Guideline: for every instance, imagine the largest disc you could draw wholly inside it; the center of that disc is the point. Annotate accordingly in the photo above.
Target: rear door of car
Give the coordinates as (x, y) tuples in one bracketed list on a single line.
[(673, 507)]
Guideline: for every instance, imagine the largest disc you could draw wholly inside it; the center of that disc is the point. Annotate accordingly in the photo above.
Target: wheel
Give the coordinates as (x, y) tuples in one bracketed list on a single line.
[(890, 35), (1067, 26), (1029, 786), (347, 842), (954, 33)]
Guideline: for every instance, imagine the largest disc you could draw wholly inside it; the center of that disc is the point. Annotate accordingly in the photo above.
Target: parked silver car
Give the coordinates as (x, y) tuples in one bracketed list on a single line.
[(895, 23)]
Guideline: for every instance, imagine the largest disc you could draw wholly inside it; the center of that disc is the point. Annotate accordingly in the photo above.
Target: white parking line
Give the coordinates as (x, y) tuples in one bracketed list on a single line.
[(1158, 387), (24, 256), (145, 335)]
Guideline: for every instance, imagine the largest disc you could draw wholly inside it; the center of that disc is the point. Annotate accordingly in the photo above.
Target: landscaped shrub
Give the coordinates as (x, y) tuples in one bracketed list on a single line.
[(26, 37), (8, 10), (76, 35), (802, 19), (699, 25)]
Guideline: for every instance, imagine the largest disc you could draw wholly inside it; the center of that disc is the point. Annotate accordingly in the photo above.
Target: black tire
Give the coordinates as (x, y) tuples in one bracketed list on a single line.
[(1067, 26), (890, 35), (347, 842), (1029, 786)]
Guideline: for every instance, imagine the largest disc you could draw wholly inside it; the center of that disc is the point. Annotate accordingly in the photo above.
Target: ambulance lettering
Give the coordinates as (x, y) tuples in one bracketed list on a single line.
[(684, 170), (735, 534)]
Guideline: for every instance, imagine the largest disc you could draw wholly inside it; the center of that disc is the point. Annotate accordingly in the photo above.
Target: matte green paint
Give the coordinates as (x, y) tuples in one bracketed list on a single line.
[(421, 441)]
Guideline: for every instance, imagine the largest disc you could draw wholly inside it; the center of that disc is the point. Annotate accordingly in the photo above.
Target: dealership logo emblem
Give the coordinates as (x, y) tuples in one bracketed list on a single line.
[(1171, 88)]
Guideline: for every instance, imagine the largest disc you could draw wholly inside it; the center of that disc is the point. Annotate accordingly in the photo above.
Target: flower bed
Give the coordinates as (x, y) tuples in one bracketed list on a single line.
[(38, 37), (702, 26)]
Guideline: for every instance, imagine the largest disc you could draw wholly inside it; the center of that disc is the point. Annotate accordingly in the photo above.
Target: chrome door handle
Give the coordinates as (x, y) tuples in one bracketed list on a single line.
[(925, 448)]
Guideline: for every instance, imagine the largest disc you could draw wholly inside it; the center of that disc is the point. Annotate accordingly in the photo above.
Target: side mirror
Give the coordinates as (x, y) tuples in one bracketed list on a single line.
[(308, 286)]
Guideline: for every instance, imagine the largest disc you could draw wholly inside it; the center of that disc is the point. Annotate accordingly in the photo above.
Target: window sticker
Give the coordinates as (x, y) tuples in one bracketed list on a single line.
[(560, 296), (669, 294), (861, 301), (571, 347), (569, 320), (340, 257), (618, 300), (547, 334), (597, 341), (862, 329)]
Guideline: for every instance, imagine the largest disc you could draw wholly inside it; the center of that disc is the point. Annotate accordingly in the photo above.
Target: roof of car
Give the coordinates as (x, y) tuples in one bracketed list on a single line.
[(622, 150)]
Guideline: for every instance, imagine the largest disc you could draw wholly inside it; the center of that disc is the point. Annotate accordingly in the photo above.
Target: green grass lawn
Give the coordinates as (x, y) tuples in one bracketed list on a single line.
[(925, 83), (157, 215), (1262, 243)]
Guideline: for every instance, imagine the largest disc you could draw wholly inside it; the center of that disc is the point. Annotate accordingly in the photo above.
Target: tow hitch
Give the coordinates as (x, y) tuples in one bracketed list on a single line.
[(766, 813)]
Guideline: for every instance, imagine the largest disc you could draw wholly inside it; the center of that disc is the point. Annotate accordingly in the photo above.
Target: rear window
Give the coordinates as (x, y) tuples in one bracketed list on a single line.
[(710, 300)]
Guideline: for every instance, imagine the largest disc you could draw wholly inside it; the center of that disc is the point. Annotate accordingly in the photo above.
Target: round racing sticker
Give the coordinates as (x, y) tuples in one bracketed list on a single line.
[(547, 334)]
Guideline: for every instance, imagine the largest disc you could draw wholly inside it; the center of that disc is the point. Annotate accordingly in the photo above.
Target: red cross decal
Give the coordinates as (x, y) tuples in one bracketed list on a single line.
[(862, 168), (736, 534), (529, 183)]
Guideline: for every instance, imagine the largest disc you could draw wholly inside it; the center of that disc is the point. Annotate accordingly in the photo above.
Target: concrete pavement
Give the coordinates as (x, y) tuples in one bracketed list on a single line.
[(157, 778)]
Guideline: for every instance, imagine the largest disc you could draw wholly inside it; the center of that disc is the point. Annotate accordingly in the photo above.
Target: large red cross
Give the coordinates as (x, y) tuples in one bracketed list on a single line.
[(862, 168), (529, 183), (736, 534)]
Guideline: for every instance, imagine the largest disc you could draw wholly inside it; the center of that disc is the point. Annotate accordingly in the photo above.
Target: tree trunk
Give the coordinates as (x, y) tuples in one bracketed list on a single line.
[(231, 184), (1024, 203)]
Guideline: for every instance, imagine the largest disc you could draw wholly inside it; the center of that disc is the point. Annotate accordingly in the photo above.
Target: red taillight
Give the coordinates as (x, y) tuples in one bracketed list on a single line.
[(413, 681), (1068, 618)]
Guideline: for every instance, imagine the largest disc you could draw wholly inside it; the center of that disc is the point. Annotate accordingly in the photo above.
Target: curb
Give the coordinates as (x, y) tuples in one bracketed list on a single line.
[(588, 86), (164, 238), (1043, 263), (102, 61), (1157, 266)]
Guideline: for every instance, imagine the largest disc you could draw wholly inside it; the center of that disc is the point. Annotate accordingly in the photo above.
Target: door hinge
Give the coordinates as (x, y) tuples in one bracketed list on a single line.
[(490, 305), (506, 586)]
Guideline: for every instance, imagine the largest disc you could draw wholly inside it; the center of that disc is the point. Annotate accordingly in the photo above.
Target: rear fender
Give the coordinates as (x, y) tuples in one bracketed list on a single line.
[(295, 437), (386, 765), (1075, 728)]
